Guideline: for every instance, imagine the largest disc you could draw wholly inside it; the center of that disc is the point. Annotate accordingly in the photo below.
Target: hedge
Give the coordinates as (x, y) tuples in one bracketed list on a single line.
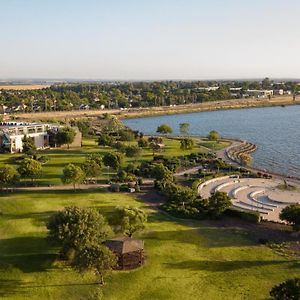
[(251, 216)]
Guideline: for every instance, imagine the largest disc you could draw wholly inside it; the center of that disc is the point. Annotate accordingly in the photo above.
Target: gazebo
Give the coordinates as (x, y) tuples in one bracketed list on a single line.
[(130, 252)]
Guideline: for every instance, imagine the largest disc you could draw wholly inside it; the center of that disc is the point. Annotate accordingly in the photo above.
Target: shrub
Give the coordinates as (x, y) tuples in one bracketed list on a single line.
[(251, 216), (288, 290)]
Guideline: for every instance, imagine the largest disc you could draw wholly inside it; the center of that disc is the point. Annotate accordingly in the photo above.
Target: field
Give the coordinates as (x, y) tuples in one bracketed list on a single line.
[(58, 158), (24, 87), (185, 259)]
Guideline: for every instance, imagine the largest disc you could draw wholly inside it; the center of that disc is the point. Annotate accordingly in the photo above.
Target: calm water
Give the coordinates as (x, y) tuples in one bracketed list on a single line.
[(275, 130)]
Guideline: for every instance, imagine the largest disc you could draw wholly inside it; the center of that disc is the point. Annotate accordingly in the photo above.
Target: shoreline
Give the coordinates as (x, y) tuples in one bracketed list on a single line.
[(224, 155), (160, 110)]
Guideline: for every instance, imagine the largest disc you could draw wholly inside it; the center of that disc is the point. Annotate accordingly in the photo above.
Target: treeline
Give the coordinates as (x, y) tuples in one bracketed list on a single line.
[(125, 95)]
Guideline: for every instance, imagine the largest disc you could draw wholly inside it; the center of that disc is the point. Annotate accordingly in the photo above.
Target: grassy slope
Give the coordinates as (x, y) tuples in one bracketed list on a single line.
[(186, 260), (52, 170)]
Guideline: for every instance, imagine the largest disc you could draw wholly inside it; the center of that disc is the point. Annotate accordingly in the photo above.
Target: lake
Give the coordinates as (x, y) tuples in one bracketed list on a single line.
[(275, 130)]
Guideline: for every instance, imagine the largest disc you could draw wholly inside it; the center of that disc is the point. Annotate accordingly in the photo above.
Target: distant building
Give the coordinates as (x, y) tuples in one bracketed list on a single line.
[(12, 134), (260, 93)]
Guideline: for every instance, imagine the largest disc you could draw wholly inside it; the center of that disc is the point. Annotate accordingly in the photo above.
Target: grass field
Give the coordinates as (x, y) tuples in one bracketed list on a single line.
[(185, 259), (52, 170), (24, 86)]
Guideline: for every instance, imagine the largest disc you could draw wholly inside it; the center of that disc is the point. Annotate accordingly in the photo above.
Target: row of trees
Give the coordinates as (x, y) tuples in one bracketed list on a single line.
[(130, 94)]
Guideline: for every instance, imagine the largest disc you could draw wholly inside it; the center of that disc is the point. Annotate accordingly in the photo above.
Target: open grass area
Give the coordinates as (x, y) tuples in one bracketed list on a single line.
[(58, 158), (185, 259), (212, 145)]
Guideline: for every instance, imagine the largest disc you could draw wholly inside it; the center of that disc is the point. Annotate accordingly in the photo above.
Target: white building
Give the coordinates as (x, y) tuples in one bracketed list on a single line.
[(260, 93), (12, 134)]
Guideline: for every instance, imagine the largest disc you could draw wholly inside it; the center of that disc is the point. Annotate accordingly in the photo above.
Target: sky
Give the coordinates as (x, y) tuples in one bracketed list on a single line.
[(149, 40)]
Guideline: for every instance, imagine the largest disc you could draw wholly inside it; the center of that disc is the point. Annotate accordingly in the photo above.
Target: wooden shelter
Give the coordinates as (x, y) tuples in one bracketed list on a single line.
[(130, 252)]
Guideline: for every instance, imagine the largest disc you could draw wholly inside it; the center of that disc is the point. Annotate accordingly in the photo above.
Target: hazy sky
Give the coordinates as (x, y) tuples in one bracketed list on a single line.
[(154, 39)]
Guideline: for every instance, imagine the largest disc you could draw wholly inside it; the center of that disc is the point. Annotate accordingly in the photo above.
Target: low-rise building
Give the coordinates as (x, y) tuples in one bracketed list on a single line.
[(13, 133)]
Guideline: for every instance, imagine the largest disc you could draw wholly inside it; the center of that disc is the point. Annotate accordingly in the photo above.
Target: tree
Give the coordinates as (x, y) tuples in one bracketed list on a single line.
[(287, 290), (160, 172), (105, 140), (213, 136), (113, 160), (30, 168), (218, 203), (266, 83), (96, 258), (126, 135), (143, 143), (291, 214), (8, 176), (155, 147), (132, 151), (65, 136), (184, 128), (128, 220), (28, 145), (91, 168), (96, 157), (75, 228), (186, 144), (72, 175), (164, 129)]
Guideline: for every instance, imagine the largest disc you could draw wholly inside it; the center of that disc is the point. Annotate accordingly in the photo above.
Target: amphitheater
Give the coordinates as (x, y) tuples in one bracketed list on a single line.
[(253, 194)]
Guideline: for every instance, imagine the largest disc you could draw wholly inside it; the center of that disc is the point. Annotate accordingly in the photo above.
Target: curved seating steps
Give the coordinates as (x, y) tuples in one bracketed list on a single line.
[(204, 184), (237, 190), (225, 184), (247, 208), (253, 195), (255, 207), (279, 202)]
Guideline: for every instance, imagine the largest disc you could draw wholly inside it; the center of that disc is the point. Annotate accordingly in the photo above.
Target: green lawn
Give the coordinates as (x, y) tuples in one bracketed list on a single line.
[(185, 259), (212, 145), (58, 158)]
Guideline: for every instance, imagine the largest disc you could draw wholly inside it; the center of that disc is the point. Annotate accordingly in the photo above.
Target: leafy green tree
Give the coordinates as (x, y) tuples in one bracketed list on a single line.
[(291, 214), (143, 143), (218, 203), (29, 147), (105, 140), (96, 157), (72, 175), (96, 258), (164, 129), (75, 228), (132, 151), (113, 160), (91, 168), (184, 128), (8, 176), (65, 136), (186, 144), (128, 220), (30, 168), (160, 172), (287, 290), (126, 135), (213, 136)]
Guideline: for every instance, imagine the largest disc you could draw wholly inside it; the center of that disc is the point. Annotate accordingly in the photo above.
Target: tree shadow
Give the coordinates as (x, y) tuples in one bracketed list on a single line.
[(223, 266), (28, 254), (10, 287)]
